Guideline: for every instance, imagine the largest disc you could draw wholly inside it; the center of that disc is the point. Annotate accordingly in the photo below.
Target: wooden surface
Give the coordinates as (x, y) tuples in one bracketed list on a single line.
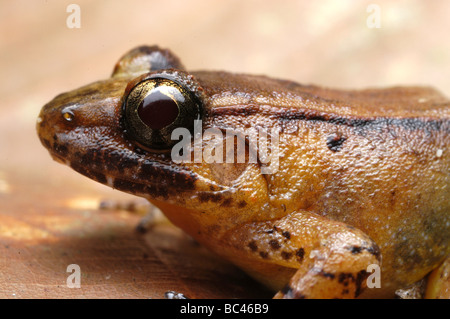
[(44, 230), (49, 215)]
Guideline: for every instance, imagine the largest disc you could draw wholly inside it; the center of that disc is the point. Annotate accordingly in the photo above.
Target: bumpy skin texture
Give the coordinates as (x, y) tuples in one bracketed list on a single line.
[(363, 176)]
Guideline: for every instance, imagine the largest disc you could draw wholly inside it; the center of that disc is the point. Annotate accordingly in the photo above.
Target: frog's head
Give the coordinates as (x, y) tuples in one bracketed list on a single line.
[(120, 132)]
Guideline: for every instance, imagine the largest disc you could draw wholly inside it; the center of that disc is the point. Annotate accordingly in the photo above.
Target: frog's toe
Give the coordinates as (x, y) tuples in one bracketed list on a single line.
[(174, 295), (153, 217)]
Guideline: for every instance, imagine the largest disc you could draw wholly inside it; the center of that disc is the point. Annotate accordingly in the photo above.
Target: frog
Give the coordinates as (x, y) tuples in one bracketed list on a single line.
[(355, 205)]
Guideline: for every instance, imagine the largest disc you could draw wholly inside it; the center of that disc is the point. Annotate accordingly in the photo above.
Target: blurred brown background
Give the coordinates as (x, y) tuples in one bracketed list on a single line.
[(48, 214)]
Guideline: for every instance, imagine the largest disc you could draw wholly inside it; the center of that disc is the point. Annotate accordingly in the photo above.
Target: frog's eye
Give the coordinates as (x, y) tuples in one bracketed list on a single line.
[(154, 108)]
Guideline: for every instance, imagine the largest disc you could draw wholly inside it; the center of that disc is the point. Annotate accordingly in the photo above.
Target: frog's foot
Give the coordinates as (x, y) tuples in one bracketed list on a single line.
[(438, 286), (174, 295), (138, 206), (328, 259), (153, 217), (151, 214), (414, 291), (337, 268)]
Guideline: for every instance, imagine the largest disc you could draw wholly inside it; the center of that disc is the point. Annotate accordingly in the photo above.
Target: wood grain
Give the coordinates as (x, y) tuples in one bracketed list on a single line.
[(41, 235), (49, 216)]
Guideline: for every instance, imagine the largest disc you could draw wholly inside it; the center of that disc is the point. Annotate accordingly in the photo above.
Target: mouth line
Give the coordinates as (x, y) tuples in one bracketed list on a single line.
[(150, 189), (60, 159), (138, 176), (152, 180)]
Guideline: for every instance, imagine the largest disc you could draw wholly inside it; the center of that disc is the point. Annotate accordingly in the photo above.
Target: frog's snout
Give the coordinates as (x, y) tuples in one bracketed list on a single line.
[(48, 127), (43, 127)]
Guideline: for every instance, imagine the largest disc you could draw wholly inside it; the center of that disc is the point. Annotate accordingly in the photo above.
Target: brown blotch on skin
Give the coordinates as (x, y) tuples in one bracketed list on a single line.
[(344, 278), (242, 204), (154, 190), (205, 197), (356, 250), (300, 253), (323, 273), (327, 275), (227, 202), (373, 250), (286, 255), (181, 180), (253, 246), (335, 141), (291, 293), (89, 156), (274, 244), (264, 254), (99, 177), (360, 277), (61, 149), (286, 234)]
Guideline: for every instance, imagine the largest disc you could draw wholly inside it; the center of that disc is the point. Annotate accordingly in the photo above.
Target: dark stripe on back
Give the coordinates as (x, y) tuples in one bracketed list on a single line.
[(284, 115)]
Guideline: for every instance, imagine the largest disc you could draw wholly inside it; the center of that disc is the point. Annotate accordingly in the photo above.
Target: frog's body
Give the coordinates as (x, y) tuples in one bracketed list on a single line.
[(362, 176)]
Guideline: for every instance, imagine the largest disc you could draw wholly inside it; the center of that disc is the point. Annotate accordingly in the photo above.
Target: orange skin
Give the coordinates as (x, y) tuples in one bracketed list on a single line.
[(363, 176)]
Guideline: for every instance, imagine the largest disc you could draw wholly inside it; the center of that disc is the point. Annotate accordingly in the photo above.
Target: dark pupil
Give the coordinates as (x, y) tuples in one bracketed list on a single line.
[(157, 110)]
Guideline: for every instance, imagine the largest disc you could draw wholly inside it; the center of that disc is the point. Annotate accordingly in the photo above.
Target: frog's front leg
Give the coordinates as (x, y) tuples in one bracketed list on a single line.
[(328, 259)]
